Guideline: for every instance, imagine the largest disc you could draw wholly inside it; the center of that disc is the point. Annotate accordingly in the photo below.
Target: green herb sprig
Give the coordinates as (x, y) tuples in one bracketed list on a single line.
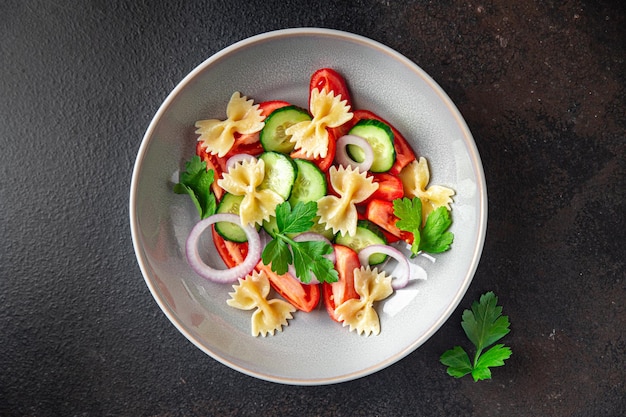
[(308, 256), (196, 181), (484, 325), (432, 237)]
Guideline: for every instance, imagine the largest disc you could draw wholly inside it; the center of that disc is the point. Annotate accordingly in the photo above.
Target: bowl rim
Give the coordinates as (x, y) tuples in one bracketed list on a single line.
[(473, 154)]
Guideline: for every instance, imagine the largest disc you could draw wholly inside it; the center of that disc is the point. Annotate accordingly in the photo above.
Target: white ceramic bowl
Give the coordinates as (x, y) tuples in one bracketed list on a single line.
[(277, 65)]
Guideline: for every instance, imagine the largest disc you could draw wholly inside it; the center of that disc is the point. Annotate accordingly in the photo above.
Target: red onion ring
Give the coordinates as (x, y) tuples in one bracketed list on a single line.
[(240, 157), (222, 276), (311, 236), (401, 279), (343, 158)]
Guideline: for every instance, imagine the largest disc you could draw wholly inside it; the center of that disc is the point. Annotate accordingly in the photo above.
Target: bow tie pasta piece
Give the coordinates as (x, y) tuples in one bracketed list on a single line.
[(327, 110), (243, 117), (244, 179), (339, 213), (415, 178), (270, 315), (360, 314)]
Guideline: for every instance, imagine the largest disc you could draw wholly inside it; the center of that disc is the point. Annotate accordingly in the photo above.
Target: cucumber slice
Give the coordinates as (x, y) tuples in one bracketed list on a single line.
[(280, 173), (380, 137), (310, 184), (230, 231), (273, 137), (367, 233)]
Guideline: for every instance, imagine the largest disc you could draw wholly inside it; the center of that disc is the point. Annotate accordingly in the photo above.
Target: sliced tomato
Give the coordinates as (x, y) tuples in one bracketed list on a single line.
[(327, 79), (330, 80), (389, 187), (231, 253), (322, 163), (267, 107), (338, 292), (404, 153), (381, 213), (304, 297)]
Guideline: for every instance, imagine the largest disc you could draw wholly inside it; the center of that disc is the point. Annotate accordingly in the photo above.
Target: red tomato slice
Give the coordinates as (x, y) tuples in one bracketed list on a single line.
[(231, 253), (380, 212), (389, 187), (322, 163), (330, 80), (304, 297), (404, 153), (338, 292)]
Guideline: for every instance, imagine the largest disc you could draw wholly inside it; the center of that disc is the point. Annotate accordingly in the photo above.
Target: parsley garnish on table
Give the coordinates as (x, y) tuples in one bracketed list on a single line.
[(484, 325), (196, 182), (308, 256), (432, 236)]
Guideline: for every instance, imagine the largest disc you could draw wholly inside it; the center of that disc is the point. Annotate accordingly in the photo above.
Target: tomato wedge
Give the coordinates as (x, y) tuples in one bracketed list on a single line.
[(338, 292), (330, 80), (304, 297), (381, 213), (404, 153), (389, 187), (327, 79), (231, 253)]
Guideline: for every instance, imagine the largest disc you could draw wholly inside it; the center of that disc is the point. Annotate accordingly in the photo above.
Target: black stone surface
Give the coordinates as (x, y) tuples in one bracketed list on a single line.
[(542, 86)]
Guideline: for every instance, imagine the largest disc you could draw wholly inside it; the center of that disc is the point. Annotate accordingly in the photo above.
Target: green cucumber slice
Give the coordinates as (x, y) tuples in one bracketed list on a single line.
[(280, 173), (310, 183), (230, 231), (380, 136), (367, 233), (273, 136)]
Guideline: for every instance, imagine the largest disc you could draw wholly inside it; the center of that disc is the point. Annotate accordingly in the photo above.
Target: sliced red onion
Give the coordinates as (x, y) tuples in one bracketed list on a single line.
[(240, 157), (311, 236), (343, 158), (400, 273), (222, 276)]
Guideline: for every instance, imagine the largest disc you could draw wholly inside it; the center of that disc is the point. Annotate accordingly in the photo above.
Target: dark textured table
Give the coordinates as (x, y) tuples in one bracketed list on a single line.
[(542, 86)]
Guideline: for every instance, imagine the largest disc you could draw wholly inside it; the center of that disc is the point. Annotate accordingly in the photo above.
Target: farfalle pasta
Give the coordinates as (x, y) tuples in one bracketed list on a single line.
[(311, 136), (270, 315), (360, 314), (217, 137), (353, 187), (244, 179), (415, 178), (317, 192)]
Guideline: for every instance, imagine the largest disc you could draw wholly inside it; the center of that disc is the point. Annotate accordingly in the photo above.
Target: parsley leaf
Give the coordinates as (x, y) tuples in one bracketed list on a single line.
[(409, 213), (432, 236), (296, 220), (307, 257), (484, 325), (196, 182)]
